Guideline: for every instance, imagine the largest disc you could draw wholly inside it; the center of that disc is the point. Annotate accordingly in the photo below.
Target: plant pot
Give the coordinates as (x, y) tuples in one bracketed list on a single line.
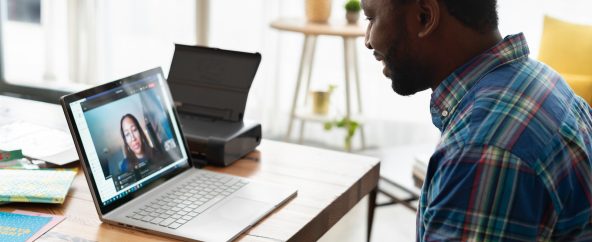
[(318, 10), (352, 17), (320, 102)]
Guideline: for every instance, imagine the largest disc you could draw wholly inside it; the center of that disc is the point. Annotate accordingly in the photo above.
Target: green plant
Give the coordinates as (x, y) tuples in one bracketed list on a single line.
[(353, 6), (349, 125), (331, 88)]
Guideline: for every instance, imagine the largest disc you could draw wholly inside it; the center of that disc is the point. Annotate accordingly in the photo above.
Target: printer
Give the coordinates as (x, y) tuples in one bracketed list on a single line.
[(210, 87)]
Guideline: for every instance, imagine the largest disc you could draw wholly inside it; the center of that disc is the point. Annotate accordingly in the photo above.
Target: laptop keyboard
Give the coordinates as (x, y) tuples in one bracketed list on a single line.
[(188, 200)]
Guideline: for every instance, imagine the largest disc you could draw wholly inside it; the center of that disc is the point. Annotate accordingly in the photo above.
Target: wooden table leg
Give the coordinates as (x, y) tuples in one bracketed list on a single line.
[(310, 57), (371, 208), (354, 62), (351, 64), (305, 68), (346, 65)]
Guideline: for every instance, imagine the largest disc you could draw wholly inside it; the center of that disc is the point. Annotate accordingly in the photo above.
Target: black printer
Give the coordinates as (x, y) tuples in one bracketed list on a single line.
[(210, 87)]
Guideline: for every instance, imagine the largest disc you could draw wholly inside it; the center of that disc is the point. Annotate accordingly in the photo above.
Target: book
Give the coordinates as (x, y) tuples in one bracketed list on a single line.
[(19, 227), (36, 186), (12, 159), (18, 164), (11, 155)]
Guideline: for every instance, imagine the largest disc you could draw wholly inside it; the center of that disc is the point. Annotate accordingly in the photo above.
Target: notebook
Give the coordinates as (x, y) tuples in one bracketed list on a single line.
[(37, 186)]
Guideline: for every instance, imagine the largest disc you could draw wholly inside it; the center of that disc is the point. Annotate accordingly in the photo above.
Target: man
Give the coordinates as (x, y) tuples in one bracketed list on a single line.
[(514, 160)]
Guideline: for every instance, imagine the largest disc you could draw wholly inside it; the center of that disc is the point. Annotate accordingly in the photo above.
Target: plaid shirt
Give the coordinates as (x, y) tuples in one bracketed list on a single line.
[(514, 161)]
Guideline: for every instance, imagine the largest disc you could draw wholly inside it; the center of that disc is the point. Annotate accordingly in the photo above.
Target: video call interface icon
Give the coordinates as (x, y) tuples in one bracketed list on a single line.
[(123, 194)]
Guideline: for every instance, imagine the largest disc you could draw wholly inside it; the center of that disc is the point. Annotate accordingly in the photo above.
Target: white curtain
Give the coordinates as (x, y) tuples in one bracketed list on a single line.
[(111, 39), (83, 34)]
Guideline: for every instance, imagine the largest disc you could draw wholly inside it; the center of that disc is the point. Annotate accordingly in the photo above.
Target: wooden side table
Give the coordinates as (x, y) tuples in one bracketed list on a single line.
[(349, 34)]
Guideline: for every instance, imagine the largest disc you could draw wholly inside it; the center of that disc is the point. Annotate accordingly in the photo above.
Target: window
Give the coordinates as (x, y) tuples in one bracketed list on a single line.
[(49, 48), (27, 34)]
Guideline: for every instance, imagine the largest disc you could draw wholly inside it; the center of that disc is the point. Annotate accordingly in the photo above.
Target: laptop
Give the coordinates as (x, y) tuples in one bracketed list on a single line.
[(139, 169)]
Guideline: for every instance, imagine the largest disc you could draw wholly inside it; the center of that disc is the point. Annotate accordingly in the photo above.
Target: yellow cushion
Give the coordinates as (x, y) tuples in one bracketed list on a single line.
[(567, 48), (581, 84)]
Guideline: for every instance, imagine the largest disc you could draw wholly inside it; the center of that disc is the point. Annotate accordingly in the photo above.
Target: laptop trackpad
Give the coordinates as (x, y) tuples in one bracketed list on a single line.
[(241, 209), (226, 221)]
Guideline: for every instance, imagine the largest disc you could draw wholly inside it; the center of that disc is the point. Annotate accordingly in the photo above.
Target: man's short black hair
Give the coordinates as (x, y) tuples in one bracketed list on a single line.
[(479, 15)]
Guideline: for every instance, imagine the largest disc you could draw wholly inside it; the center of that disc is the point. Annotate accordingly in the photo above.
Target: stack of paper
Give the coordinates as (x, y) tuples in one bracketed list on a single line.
[(38, 142), (39, 186)]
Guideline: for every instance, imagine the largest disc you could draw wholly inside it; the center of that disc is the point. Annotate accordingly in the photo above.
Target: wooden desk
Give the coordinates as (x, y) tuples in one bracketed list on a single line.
[(349, 33), (329, 184)]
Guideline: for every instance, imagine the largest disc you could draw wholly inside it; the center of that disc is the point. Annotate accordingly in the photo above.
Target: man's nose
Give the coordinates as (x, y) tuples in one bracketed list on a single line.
[(367, 41)]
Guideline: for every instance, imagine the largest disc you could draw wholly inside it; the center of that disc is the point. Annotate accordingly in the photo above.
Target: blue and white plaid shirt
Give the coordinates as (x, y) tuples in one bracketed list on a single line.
[(514, 161)]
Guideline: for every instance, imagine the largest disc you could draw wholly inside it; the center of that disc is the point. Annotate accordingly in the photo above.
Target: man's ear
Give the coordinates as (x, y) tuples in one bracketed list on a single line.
[(429, 16)]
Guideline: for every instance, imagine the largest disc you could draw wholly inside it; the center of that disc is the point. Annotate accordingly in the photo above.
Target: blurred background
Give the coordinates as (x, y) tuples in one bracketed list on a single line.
[(71, 44)]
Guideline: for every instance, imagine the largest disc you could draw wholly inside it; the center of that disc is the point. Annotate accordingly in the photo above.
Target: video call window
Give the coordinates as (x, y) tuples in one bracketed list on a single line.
[(133, 136)]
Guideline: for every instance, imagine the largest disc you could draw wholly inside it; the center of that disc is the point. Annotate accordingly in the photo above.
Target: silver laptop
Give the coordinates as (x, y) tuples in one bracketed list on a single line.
[(139, 169)]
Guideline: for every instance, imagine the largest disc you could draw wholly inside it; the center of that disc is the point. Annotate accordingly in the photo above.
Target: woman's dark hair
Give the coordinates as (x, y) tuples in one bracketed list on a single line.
[(131, 157)]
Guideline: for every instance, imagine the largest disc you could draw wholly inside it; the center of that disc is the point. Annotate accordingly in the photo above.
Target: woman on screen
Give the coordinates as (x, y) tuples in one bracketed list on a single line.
[(138, 153)]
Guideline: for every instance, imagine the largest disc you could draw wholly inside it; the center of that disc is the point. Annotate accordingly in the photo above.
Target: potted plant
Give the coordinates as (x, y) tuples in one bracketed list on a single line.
[(318, 10), (321, 100), (350, 127), (352, 11)]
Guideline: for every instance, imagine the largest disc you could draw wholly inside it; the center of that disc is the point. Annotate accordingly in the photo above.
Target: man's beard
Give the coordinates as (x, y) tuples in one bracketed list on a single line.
[(407, 73)]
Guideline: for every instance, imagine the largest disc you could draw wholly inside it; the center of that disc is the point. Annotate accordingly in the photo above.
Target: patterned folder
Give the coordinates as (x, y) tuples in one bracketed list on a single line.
[(38, 186), (18, 227)]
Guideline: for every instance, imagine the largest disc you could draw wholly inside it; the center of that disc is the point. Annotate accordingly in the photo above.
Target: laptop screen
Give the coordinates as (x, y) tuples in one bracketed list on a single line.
[(129, 135)]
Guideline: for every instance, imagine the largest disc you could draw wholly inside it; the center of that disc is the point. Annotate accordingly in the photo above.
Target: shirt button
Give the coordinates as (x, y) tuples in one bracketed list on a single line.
[(445, 113)]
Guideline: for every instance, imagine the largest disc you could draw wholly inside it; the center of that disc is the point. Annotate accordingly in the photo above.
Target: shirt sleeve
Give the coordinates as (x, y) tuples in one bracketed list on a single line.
[(482, 193)]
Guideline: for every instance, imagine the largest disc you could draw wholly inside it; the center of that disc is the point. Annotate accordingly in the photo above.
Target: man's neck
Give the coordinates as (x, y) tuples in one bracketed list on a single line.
[(461, 48)]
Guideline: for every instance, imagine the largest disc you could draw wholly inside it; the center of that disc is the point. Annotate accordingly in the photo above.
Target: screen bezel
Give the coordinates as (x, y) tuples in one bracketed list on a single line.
[(65, 102)]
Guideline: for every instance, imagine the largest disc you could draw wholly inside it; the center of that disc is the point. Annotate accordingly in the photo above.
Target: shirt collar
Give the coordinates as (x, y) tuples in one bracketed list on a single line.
[(451, 90)]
